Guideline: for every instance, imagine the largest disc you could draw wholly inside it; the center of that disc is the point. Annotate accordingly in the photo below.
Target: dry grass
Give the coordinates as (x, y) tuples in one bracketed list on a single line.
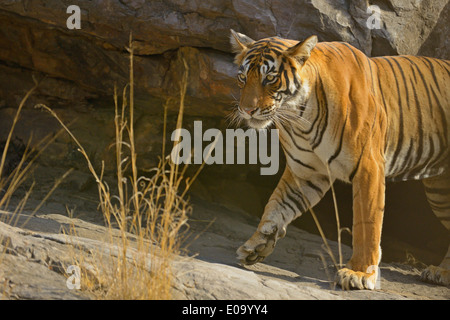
[(11, 182), (145, 217), (337, 263)]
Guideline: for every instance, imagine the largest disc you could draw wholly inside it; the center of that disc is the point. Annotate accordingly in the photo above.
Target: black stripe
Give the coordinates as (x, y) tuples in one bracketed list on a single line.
[(338, 50), (323, 53), (442, 153), (294, 202), (439, 204), (439, 106), (380, 87), (317, 48), (295, 142), (280, 43), (300, 198), (354, 55), (423, 81), (413, 71), (287, 91), (446, 68), (251, 55), (404, 82), (314, 187), (298, 161), (353, 173), (341, 139), (432, 151), (400, 134), (277, 52), (445, 61), (433, 73), (369, 62), (323, 110), (284, 202), (419, 129), (334, 50), (439, 191), (407, 159), (313, 123), (268, 57)]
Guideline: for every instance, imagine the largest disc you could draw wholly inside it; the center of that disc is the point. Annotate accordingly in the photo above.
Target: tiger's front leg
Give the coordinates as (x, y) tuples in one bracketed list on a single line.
[(361, 271), (271, 228), (291, 198)]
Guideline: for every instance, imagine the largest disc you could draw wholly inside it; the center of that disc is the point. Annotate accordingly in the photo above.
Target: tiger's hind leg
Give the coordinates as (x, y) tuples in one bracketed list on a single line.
[(438, 194)]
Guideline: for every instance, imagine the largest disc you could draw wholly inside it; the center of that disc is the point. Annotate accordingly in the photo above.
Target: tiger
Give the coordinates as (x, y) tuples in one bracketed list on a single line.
[(342, 115)]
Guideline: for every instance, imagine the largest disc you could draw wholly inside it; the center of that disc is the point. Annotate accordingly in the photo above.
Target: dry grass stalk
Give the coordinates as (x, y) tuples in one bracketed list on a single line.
[(11, 182), (145, 221), (337, 263)]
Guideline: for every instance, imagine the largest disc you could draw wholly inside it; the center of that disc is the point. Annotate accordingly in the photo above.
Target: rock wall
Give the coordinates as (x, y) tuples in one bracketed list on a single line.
[(78, 69), (86, 63)]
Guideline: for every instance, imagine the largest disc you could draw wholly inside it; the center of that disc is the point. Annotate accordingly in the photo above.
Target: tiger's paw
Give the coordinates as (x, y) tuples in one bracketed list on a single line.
[(349, 279), (436, 275), (261, 244)]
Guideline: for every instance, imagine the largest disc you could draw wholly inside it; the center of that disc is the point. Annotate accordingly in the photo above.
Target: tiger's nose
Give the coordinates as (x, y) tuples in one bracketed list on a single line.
[(251, 111)]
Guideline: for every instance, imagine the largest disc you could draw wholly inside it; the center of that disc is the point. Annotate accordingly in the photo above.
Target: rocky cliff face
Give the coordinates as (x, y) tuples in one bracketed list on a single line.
[(86, 63), (79, 68)]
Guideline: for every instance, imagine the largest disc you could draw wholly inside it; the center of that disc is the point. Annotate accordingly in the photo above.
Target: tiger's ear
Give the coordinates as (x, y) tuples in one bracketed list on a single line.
[(302, 50), (239, 42)]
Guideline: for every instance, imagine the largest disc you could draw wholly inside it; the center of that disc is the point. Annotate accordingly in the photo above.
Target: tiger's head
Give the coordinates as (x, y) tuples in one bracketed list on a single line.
[(270, 77)]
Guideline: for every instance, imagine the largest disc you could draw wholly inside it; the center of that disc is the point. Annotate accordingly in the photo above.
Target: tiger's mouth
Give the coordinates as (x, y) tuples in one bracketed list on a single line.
[(258, 123), (260, 119), (257, 119)]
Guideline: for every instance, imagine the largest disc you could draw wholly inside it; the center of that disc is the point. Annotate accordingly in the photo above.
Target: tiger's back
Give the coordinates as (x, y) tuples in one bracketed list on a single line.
[(415, 94), (411, 94)]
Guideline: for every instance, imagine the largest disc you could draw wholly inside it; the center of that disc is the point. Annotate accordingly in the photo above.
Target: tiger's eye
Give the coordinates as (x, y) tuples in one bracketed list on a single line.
[(241, 77), (270, 77)]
